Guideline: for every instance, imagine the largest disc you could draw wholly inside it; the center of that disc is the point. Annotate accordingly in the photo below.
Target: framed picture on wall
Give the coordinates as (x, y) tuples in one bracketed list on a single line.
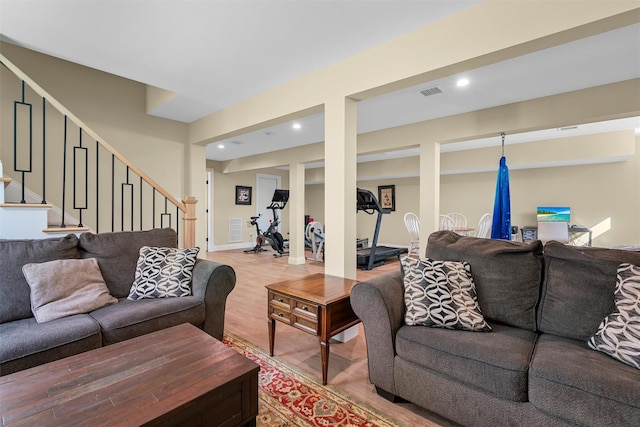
[(387, 197), (243, 195)]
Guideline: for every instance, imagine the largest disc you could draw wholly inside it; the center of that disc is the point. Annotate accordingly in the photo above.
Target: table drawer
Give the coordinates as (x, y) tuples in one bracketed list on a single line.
[(279, 300), (281, 315), (305, 324), (305, 309)]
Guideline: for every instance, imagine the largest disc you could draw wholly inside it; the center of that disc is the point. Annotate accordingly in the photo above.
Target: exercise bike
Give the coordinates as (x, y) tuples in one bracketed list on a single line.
[(259, 237), (271, 235)]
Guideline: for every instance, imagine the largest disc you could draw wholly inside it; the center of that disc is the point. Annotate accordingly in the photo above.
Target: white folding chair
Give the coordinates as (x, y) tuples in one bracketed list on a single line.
[(459, 220), (558, 231), (412, 222), (446, 223), (484, 226)]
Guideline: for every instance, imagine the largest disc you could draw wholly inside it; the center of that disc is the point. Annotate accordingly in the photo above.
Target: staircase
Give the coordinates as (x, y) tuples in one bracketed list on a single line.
[(29, 220), (88, 186)]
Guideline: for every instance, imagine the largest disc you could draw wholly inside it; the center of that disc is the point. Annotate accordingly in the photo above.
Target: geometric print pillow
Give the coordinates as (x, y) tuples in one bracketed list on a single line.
[(441, 294), (619, 333), (163, 273)]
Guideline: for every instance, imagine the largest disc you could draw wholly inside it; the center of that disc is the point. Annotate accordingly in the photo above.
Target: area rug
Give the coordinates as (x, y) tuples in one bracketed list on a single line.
[(289, 397)]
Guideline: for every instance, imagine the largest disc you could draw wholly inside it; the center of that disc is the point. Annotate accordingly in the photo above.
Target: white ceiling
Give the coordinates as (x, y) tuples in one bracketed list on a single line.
[(218, 52)]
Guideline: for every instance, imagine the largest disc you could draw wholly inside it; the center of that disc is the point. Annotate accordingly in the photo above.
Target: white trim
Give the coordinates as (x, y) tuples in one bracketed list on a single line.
[(210, 211)]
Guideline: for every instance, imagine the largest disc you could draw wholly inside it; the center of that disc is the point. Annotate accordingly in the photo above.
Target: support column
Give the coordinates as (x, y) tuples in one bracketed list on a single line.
[(296, 213), (195, 185), (429, 191), (189, 221), (340, 187)]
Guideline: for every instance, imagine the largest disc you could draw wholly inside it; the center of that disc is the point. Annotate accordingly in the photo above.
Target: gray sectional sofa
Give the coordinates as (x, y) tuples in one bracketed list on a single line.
[(25, 343), (535, 367)]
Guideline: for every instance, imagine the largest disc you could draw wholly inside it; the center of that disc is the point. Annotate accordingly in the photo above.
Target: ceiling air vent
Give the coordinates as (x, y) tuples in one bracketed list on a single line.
[(430, 91), (237, 142)]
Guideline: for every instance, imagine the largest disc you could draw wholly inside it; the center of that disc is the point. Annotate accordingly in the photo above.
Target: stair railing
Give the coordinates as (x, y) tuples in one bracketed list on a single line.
[(96, 168)]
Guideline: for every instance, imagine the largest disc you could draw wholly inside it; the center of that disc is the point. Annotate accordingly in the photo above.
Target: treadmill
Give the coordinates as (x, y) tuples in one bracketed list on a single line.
[(374, 256)]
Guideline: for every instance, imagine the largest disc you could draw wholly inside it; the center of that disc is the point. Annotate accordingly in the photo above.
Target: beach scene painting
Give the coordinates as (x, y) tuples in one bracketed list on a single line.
[(553, 214)]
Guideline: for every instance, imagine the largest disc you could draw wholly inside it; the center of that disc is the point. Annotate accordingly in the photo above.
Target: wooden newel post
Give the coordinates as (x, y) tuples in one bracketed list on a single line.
[(189, 237)]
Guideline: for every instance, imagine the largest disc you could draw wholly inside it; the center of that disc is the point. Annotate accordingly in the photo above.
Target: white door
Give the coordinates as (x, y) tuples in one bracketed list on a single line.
[(266, 185)]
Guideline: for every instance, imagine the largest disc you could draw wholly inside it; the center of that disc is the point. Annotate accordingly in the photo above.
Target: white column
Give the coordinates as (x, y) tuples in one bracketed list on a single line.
[(1, 185), (340, 187), (296, 213), (195, 185), (429, 191)]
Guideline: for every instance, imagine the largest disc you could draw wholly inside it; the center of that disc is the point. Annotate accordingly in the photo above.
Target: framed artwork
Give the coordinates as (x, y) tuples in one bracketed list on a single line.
[(387, 196), (243, 195)]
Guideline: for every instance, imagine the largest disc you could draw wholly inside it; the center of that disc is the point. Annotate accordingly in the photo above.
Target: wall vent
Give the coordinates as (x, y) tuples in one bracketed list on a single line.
[(235, 229), (430, 91)]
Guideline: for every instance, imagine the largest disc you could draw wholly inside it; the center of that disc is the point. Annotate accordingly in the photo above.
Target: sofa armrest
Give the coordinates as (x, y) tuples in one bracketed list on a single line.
[(379, 303), (213, 282)]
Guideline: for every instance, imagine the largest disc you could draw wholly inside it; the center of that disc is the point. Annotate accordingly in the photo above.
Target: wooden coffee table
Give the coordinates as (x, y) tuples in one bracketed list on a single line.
[(176, 376), (316, 304)]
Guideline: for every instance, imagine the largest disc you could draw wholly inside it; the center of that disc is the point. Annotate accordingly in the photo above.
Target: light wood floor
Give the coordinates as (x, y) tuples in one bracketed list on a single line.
[(246, 317)]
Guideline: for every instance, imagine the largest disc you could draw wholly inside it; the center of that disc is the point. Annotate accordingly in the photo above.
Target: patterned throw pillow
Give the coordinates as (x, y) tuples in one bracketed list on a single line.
[(163, 273), (619, 333), (441, 294)]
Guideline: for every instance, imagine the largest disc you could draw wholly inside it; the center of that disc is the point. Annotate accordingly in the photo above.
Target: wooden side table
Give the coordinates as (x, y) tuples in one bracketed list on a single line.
[(317, 304)]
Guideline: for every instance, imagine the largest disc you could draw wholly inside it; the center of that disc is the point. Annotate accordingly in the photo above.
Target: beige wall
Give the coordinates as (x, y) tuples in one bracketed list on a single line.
[(602, 196), (224, 206)]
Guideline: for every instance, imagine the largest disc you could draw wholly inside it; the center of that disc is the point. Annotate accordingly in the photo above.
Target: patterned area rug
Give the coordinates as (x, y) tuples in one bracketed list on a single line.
[(288, 397)]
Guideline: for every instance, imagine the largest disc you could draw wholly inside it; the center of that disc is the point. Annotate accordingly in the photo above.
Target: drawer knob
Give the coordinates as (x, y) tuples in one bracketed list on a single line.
[(281, 314), (305, 308), (280, 299)]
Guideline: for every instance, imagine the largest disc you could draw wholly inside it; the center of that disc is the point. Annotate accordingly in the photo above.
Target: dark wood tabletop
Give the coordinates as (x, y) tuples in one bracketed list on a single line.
[(176, 376)]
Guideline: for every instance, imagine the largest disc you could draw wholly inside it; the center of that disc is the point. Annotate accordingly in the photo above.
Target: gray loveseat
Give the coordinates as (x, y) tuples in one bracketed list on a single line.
[(534, 368), (25, 343)]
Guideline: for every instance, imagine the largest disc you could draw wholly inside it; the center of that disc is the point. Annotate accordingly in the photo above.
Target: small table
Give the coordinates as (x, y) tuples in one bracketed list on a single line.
[(175, 376), (463, 231), (317, 304)]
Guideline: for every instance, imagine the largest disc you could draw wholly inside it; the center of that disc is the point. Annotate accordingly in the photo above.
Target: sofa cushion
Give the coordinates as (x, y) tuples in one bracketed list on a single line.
[(163, 273), (570, 381), (506, 274), (129, 319), (578, 288), (619, 333), (440, 294), (496, 363), (65, 287), (26, 343), (14, 290), (117, 253)]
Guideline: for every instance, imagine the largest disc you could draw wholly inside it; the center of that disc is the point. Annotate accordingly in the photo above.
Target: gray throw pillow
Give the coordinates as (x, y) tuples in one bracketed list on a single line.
[(619, 333), (441, 294), (66, 287), (163, 273)]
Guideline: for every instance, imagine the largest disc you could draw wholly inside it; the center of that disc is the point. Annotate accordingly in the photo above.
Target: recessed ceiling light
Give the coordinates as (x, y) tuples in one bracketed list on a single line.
[(297, 126), (462, 82), (221, 146)]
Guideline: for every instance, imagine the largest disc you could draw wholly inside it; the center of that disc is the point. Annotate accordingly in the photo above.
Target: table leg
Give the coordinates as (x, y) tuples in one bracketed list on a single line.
[(324, 356), (272, 335)]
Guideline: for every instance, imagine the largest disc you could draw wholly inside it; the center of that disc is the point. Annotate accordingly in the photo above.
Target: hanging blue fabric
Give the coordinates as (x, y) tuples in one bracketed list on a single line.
[(501, 226)]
